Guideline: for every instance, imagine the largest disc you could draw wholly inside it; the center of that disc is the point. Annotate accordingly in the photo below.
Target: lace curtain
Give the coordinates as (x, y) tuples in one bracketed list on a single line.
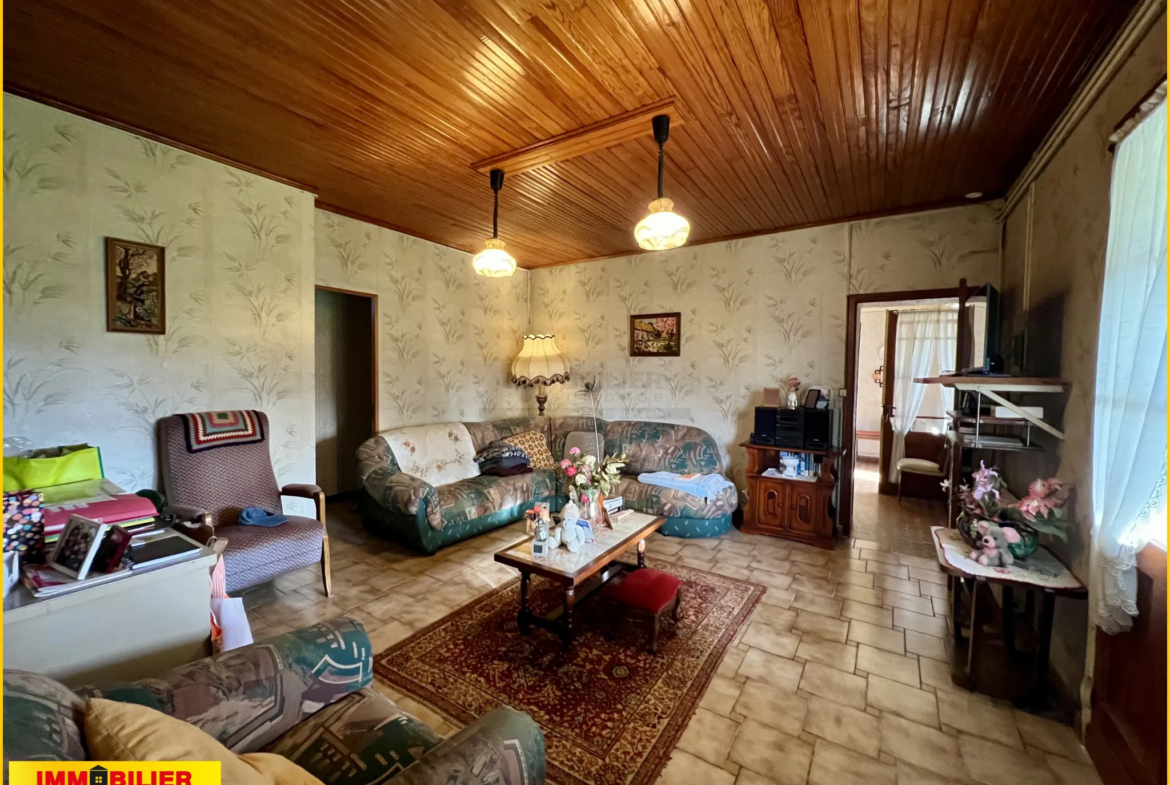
[(1129, 423), (923, 338)]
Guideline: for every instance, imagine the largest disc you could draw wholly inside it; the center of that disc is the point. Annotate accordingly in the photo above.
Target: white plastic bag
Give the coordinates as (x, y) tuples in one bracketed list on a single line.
[(229, 620), (233, 622)]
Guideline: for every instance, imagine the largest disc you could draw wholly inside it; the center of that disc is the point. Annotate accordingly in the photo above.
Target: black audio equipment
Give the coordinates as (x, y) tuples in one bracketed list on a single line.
[(818, 429)]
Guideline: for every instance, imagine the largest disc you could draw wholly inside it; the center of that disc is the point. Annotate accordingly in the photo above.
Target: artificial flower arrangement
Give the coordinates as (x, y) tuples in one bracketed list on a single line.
[(588, 482), (1041, 511), (793, 385)]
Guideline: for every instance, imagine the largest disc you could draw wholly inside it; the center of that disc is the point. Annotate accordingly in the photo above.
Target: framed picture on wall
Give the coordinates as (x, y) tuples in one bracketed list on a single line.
[(656, 334), (136, 299)]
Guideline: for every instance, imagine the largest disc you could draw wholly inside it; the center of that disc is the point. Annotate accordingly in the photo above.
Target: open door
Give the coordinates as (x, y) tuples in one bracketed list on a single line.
[(885, 485), (853, 305), (346, 400)]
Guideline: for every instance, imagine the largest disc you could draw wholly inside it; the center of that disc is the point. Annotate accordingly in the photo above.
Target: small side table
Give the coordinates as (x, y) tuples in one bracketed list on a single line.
[(1042, 573)]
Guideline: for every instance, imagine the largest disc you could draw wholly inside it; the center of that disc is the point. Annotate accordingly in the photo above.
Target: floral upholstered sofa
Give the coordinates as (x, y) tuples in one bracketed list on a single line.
[(305, 695), (415, 513)]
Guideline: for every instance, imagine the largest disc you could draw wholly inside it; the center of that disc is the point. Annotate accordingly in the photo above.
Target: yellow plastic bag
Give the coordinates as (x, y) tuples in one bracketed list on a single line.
[(56, 466)]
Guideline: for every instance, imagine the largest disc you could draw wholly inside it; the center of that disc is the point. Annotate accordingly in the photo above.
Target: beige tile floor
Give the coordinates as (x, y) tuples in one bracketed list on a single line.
[(903, 528), (840, 676)]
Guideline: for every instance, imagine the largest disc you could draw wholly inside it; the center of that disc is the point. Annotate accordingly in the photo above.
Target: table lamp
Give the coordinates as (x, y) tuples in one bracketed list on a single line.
[(540, 363)]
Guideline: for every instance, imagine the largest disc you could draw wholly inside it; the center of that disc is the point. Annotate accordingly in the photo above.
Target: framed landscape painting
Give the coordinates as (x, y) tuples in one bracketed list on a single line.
[(135, 287), (655, 334)]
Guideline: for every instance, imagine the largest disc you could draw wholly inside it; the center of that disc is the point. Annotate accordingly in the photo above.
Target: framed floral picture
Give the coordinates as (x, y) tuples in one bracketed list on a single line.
[(136, 299), (656, 335)]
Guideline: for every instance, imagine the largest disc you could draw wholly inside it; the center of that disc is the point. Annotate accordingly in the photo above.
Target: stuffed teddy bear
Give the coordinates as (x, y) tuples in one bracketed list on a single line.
[(994, 541)]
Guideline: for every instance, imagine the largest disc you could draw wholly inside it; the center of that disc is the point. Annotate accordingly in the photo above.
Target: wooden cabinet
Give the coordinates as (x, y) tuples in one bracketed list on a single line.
[(794, 509)]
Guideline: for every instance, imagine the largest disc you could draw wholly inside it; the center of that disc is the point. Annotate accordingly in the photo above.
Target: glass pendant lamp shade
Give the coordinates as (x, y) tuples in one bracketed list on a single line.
[(493, 261), (663, 228)]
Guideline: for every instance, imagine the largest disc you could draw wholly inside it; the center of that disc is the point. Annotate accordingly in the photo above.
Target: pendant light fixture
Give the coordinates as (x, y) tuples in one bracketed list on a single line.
[(493, 261), (662, 228)]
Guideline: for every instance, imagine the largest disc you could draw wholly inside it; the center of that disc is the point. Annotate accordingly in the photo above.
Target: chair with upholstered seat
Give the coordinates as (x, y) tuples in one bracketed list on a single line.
[(926, 455), (211, 472)]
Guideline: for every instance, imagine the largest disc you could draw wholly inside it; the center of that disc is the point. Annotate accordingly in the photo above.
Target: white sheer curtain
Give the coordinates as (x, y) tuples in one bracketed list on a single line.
[(1129, 424), (920, 336)]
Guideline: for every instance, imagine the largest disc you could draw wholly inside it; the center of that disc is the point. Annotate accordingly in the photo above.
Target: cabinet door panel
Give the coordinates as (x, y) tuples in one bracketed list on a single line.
[(770, 512), (803, 515)]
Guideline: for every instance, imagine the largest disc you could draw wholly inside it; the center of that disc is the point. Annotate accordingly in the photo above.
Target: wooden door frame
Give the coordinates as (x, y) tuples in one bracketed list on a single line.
[(853, 305), (373, 298), (885, 427)]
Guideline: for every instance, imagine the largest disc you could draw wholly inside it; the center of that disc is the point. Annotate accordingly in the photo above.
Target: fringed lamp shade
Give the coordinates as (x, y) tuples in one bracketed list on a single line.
[(540, 363)]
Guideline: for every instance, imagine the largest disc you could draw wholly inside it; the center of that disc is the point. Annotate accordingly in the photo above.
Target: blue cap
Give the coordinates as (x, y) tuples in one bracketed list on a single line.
[(258, 516)]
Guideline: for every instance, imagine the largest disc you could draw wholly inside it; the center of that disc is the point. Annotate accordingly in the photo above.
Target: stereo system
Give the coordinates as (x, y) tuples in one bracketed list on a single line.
[(797, 429)]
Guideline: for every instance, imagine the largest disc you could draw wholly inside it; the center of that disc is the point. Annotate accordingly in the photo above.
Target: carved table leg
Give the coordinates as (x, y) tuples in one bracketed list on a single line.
[(1009, 620), (567, 619), (641, 553), (522, 616)]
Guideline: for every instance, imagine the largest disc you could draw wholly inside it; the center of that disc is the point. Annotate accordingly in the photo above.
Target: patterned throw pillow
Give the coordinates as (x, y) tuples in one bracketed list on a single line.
[(499, 450), (533, 443)]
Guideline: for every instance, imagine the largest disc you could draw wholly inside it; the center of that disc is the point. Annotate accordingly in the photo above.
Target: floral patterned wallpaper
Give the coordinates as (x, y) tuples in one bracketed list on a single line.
[(1068, 215), (239, 287), (446, 336), (754, 312)]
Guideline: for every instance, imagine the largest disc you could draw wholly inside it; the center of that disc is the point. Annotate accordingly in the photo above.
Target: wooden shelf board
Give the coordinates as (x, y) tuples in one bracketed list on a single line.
[(770, 448)]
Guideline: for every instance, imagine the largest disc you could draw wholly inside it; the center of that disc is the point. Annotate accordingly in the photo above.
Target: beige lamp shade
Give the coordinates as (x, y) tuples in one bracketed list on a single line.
[(540, 362)]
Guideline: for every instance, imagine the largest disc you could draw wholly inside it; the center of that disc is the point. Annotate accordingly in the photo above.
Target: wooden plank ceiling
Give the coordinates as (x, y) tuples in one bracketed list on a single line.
[(797, 111)]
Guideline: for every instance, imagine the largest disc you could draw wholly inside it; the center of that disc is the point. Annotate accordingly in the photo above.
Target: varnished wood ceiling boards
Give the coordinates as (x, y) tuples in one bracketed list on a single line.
[(797, 111)]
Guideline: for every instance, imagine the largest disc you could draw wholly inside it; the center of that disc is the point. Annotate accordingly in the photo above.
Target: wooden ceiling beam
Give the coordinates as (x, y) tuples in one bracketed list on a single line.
[(582, 141)]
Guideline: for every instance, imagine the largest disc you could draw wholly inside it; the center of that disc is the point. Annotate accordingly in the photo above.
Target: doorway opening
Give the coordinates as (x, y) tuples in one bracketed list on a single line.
[(347, 393), (895, 430)]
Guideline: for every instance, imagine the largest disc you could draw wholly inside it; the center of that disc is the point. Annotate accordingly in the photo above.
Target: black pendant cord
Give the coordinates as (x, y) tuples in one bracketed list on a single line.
[(661, 124), (661, 166), (497, 176), (496, 216)]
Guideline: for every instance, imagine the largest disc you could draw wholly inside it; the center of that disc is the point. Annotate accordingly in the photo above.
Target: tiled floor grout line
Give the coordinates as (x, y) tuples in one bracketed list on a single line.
[(846, 663)]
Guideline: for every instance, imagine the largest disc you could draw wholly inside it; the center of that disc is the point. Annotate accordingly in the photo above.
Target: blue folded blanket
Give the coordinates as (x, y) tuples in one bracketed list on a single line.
[(707, 486)]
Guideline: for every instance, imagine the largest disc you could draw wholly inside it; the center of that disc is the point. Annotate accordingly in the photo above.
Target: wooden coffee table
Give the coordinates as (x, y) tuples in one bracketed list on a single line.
[(580, 573)]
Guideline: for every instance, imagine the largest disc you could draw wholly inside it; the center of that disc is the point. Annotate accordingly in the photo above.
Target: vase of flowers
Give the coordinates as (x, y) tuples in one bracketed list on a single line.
[(588, 482), (1040, 512), (793, 385)]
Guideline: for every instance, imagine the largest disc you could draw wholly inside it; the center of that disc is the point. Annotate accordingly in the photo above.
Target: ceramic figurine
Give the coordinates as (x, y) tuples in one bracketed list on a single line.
[(790, 462)]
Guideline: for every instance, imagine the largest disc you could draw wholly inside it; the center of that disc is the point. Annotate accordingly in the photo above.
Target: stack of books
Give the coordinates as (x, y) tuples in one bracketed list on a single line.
[(90, 553), (133, 513)]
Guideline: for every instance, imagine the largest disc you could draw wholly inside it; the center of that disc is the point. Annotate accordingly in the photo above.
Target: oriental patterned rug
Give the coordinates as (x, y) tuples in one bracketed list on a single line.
[(611, 712)]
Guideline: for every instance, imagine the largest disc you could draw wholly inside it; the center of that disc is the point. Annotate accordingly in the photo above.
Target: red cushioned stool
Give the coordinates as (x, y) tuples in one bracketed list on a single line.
[(646, 594)]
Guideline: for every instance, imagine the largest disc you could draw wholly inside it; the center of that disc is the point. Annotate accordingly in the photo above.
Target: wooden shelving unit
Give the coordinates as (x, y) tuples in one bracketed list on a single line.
[(995, 389)]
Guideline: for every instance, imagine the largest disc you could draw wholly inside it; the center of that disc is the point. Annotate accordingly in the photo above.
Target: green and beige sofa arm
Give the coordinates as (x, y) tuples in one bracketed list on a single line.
[(504, 747)]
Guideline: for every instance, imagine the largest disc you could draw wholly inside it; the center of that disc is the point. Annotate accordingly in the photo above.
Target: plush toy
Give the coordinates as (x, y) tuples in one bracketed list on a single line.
[(572, 536), (994, 541)]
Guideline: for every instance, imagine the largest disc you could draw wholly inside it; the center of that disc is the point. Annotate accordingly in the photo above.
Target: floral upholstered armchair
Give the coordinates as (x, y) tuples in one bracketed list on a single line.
[(305, 695)]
